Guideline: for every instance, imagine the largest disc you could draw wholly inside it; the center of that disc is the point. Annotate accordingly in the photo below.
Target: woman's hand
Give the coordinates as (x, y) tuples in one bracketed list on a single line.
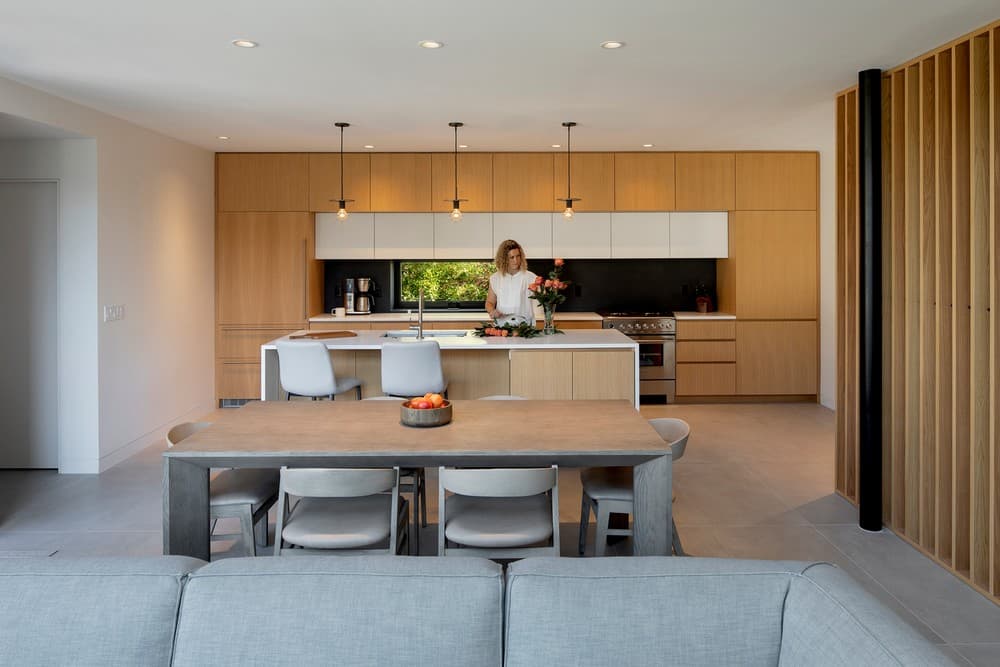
[(497, 314)]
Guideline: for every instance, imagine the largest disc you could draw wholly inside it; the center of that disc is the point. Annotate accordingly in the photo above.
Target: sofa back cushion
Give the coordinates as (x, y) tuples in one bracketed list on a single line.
[(342, 610), (645, 611), (90, 611)]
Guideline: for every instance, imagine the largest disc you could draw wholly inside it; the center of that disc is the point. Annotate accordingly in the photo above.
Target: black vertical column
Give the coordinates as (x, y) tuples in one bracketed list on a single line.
[(870, 301)]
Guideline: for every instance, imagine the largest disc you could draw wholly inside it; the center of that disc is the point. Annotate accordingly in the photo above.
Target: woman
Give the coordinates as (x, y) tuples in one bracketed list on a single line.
[(507, 301)]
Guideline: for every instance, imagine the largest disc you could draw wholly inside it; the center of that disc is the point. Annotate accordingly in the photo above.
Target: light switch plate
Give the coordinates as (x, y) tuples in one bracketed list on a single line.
[(114, 312)]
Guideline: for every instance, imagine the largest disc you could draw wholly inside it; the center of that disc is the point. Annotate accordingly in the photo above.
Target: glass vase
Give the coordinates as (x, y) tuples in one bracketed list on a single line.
[(549, 312)]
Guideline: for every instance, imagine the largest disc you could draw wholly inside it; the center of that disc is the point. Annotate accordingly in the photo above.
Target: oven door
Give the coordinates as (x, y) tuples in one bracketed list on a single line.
[(656, 357)]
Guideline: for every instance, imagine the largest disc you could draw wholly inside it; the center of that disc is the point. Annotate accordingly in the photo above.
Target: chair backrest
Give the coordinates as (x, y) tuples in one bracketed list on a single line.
[(412, 369), (305, 368), (675, 432), (184, 430), (499, 482), (337, 482)]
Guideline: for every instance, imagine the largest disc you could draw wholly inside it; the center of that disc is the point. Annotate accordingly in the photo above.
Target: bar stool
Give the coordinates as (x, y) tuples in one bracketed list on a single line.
[(305, 369), (609, 490)]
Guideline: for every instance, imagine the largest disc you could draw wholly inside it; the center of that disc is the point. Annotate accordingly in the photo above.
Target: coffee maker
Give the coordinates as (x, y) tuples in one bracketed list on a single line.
[(349, 289), (363, 300)]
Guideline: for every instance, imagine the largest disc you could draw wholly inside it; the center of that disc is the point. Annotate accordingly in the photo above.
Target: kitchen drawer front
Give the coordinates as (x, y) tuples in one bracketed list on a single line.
[(237, 380), (438, 326), (245, 343), (706, 350), (706, 379), (706, 330), (572, 324), (340, 326)]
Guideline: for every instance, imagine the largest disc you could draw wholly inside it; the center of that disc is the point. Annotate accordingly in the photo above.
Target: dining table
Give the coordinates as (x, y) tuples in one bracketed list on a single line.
[(369, 434)]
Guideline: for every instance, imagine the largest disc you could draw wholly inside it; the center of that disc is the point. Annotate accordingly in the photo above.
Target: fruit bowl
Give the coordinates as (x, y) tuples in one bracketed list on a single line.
[(424, 417)]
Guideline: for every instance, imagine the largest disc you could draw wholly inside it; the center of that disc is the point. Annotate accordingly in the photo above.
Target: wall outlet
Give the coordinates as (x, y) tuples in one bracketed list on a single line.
[(114, 312)]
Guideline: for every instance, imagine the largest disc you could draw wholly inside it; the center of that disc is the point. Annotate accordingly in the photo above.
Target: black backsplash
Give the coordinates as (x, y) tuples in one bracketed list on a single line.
[(597, 284)]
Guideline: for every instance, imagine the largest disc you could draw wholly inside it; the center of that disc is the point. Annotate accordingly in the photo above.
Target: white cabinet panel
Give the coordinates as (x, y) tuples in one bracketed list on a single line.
[(353, 238), (699, 234), (640, 235), (532, 230), (584, 236), (404, 235), (469, 238)]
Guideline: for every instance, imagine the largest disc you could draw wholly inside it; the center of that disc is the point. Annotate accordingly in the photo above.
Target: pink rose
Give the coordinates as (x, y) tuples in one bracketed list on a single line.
[(548, 283), (538, 280), (533, 287), (559, 261)]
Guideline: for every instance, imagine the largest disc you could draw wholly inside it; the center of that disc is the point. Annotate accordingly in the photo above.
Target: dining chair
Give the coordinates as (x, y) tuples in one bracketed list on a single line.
[(305, 369), (608, 491), (341, 511), (244, 493), (502, 513)]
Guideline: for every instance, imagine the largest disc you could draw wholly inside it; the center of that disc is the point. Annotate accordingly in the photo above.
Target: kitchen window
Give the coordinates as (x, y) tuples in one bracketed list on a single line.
[(446, 284)]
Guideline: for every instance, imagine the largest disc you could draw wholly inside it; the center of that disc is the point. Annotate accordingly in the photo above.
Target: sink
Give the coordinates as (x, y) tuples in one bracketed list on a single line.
[(411, 334)]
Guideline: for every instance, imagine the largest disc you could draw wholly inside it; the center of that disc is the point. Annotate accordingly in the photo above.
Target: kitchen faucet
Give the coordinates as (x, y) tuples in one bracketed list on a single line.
[(420, 315)]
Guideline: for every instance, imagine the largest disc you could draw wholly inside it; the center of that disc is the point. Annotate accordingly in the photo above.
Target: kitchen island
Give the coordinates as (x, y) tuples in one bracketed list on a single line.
[(589, 364)]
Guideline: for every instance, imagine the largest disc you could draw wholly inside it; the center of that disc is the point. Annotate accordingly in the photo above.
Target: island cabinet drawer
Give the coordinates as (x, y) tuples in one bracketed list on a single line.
[(572, 324), (700, 351), (237, 380), (340, 326), (706, 379), (706, 330), (245, 343)]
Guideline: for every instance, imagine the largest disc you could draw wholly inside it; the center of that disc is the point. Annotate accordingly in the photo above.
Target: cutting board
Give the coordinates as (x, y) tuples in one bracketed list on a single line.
[(317, 335)]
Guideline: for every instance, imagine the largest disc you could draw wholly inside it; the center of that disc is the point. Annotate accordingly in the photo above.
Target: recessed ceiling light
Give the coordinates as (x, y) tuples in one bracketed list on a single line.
[(612, 44), (223, 137), (244, 43), (430, 44), (647, 145), (463, 146), (369, 146), (556, 145)]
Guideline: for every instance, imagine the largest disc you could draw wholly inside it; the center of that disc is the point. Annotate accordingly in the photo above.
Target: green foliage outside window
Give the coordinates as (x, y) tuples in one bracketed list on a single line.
[(445, 281)]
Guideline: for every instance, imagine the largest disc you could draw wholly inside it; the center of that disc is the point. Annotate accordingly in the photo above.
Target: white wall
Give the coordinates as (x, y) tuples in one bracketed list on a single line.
[(136, 228)]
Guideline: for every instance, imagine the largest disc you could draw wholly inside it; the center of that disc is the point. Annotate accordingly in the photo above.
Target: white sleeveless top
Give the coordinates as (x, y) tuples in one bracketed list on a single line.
[(512, 297)]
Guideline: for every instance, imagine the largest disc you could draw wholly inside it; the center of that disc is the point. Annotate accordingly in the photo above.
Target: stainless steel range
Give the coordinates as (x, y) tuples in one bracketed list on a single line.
[(655, 332)]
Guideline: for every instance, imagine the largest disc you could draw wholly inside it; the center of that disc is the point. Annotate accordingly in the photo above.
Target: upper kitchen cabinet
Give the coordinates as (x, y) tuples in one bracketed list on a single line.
[(584, 236), (404, 236), (475, 181), (468, 238), (643, 182), (699, 234), (639, 235), (523, 182), (592, 179), (776, 181), (262, 181), (706, 181), (353, 238), (401, 182), (324, 181), (771, 272), (266, 274), (532, 230)]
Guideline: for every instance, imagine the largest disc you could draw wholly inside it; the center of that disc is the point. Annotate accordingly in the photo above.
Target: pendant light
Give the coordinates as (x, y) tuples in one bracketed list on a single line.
[(342, 203), (568, 212), (456, 209)]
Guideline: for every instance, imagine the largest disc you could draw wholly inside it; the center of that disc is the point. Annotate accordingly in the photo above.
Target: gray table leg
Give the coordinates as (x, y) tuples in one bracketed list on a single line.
[(651, 486), (185, 509)]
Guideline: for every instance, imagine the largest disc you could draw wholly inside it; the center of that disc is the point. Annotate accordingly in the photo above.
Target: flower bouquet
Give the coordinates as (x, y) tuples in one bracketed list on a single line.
[(520, 330), (549, 293)]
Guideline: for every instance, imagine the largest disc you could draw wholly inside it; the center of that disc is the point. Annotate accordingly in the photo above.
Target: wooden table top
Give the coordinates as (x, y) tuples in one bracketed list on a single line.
[(301, 428)]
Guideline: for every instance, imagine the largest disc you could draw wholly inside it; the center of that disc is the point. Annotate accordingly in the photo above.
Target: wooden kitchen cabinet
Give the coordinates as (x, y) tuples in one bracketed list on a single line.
[(776, 358), (266, 273), (401, 182), (706, 330), (475, 181), (603, 375), (772, 270), (324, 181), (592, 179), (262, 182), (237, 380), (706, 379), (706, 181), (644, 182), (542, 374), (243, 344), (523, 182), (777, 181)]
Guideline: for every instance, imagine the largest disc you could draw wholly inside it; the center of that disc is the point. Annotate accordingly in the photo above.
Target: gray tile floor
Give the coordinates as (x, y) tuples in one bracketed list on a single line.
[(756, 482)]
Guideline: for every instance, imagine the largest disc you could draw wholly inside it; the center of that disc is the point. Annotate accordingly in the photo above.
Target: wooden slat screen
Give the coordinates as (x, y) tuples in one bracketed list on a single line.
[(941, 310)]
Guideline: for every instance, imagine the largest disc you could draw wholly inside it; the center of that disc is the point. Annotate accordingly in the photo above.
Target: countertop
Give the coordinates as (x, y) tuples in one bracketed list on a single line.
[(690, 315), (440, 316), (571, 339)]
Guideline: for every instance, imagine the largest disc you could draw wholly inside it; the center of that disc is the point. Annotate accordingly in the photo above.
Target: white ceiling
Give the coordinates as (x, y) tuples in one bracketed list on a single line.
[(692, 70)]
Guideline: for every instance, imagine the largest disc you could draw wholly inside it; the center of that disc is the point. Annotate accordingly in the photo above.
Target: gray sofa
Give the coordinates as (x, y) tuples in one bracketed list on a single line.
[(382, 610)]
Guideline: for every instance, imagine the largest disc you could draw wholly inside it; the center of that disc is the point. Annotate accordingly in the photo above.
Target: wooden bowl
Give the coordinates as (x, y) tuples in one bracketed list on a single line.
[(424, 418)]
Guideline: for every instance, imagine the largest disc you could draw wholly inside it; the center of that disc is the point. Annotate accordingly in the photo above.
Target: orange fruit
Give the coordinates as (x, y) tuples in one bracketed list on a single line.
[(437, 400)]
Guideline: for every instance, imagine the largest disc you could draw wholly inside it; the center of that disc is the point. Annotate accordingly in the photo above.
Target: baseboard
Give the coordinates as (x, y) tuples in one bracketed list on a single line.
[(159, 433)]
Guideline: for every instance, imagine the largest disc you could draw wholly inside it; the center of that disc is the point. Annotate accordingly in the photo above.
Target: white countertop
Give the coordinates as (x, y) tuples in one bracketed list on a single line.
[(442, 316), (571, 339), (690, 315)]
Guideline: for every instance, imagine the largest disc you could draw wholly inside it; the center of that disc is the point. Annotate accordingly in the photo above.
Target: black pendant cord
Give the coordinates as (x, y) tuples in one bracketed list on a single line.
[(456, 162), (341, 162), (568, 163), (870, 296)]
